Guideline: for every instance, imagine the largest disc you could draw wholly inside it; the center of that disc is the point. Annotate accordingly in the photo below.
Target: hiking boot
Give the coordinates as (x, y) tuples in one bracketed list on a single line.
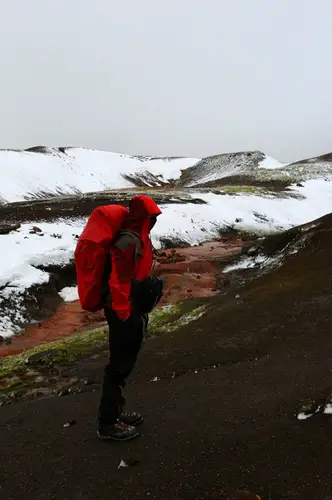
[(130, 418), (117, 432)]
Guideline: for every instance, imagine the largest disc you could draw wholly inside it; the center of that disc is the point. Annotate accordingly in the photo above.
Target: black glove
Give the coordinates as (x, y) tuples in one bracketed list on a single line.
[(145, 294)]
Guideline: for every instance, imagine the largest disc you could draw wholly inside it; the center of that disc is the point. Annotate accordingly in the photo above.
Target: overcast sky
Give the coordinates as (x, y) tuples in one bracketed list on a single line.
[(167, 77)]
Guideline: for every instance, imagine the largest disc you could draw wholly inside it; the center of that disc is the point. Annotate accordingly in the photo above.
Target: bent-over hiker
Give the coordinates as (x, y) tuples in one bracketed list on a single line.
[(113, 262)]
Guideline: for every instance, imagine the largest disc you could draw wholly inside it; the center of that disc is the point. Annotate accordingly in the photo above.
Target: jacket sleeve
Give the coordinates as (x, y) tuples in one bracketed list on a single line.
[(122, 274)]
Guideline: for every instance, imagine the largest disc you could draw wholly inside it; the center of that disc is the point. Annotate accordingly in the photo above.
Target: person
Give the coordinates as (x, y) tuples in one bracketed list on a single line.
[(131, 260)]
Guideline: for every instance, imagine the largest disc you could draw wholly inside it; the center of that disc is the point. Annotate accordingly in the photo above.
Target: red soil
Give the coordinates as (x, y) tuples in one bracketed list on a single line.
[(188, 273)]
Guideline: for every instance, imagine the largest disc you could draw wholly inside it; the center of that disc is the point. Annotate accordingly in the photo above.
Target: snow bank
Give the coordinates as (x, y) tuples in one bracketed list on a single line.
[(52, 246)]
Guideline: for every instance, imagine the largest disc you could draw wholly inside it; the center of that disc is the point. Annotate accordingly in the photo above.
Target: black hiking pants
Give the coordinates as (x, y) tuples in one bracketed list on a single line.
[(125, 340)]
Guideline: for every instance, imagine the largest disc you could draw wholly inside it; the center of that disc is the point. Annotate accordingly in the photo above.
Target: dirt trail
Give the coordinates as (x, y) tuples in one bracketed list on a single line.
[(220, 396), (188, 273)]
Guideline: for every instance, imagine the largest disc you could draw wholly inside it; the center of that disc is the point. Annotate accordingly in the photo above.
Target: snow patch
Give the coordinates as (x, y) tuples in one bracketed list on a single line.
[(12, 313), (69, 293), (247, 263), (328, 409), (304, 416), (20, 278), (270, 163)]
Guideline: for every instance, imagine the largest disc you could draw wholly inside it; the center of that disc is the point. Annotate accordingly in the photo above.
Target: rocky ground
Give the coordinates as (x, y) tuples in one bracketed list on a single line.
[(221, 386)]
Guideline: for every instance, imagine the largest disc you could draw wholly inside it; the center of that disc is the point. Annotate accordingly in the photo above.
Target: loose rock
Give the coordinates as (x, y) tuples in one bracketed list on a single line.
[(63, 392), (70, 424), (88, 382), (6, 228), (128, 462)]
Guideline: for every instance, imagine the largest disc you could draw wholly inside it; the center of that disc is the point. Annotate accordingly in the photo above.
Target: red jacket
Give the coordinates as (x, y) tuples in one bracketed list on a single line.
[(124, 266)]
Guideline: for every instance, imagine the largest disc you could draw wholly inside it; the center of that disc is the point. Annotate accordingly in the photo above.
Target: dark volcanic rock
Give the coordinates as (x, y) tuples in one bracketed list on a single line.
[(6, 227)]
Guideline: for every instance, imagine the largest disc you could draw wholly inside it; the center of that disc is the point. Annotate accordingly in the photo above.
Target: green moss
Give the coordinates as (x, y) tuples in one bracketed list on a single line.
[(289, 180), (243, 189), (16, 371), (259, 191), (67, 350), (171, 317)]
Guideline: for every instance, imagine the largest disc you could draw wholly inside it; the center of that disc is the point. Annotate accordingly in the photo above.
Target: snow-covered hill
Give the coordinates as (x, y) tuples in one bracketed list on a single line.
[(43, 172), (214, 168), (253, 167)]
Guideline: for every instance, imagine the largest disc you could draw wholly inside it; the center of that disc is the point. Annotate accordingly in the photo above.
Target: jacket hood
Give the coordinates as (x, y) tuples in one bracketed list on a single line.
[(143, 206)]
